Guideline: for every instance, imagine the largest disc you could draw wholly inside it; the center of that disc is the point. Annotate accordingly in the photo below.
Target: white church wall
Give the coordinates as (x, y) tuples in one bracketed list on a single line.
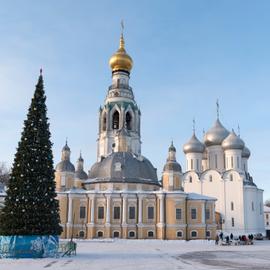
[(234, 203)]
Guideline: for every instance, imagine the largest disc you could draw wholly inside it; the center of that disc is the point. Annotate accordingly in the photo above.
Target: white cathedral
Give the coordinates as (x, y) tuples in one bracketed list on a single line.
[(218, 167), (121, 195)]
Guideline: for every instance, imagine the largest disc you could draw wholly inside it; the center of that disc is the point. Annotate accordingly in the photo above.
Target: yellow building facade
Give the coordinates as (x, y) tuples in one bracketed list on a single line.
[(121, 196)]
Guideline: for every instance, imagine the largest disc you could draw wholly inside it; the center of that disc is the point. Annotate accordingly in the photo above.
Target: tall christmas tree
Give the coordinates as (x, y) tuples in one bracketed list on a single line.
[(31, 207)]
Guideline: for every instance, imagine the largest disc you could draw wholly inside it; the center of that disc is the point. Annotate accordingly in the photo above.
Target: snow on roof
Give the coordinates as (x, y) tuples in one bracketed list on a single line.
[(266, 209), (196, 196)]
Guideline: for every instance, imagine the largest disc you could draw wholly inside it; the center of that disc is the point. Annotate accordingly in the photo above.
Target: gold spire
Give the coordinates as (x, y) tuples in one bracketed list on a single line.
[(121, 60)]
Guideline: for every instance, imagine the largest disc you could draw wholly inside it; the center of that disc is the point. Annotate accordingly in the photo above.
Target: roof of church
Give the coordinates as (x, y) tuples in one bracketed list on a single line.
[(65, 166), (123, 167), (196, 196)]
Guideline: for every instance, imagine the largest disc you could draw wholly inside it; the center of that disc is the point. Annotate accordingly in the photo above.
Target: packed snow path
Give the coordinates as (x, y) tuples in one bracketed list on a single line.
[(152, 254)]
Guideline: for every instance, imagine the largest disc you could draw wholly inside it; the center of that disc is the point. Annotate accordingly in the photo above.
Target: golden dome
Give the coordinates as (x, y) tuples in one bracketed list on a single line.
[(121, 60)]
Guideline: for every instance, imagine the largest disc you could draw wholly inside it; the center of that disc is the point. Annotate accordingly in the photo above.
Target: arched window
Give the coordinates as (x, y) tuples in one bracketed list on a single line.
[(179, 234), (128, 121), (150, 234), (231, 177), (207, 234), (131, 234), (115, 120), (104, 121), (100, 234), (116, 234), (210, 178), (81, 234), (190, 179), (194, 234)]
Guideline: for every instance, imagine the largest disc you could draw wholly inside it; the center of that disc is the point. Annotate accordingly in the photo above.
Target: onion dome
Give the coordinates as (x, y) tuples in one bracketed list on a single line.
[(121, 61), (246, 152), (172, 164), (216, 134), (232, 141), (80, 173), (172, 148), (65, 165), (193, 145)]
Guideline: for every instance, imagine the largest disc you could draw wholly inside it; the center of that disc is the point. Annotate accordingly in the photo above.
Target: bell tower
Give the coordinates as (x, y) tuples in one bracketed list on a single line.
[(120, 114)]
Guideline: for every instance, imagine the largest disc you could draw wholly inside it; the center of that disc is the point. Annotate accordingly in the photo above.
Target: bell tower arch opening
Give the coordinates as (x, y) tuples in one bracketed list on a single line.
[(128, 121), (115, 120)]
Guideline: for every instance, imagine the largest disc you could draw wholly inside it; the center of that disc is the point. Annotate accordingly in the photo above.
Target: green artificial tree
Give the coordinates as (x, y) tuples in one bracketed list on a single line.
[(31, 207)]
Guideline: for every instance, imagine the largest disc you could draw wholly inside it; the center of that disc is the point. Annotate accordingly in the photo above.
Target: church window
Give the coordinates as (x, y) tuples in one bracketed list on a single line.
[(178, 213), (216, 162), (131, 234), (190, 179), (104, 121), (150, 212), (81, 234), (267, 223), (116, 234), (244, 167), (100, 212), (131, 212), (267, 216), (179, 234), (100, 234), (208, 234), (238, 162), (232, 162), (193, 234), (197, 164), (115, 120), (150, 234), (128, 121), (232, 206), (210, 178), (82, 211), (231, 177), (191, 164), (207, 213), (252, 206), (116, 212), (232, 222), (193, 213)]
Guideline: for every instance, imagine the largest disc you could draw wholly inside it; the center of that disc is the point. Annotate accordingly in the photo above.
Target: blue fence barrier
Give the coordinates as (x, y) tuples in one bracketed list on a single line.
[(28, 246)]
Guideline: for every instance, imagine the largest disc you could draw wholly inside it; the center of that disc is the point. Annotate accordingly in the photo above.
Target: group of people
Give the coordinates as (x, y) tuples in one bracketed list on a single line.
[(228, 239)]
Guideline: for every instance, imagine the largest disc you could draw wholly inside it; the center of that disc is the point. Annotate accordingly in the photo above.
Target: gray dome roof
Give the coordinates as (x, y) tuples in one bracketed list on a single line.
[(66, 147), (81, 174), (246, 152), (216, 134), (172, 166), (123, 167), (172, 147), (232, 141), (193, 145), (65, 166)]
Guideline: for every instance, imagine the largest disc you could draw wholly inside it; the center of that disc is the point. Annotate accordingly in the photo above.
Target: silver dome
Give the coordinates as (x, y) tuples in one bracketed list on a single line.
[(232, 141), (65, 166), (193, 145), (246, 152), (216, 134), (123, 167)]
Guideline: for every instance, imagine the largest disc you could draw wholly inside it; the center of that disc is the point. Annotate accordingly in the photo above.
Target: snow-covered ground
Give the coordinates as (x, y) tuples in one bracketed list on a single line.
[(152, 254)]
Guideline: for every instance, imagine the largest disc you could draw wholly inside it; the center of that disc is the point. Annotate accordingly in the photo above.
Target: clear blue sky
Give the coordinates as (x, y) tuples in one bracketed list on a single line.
[(186, 55)]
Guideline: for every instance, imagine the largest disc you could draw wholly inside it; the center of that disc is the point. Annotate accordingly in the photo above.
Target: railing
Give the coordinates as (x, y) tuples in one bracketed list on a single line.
[(121, 86)]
